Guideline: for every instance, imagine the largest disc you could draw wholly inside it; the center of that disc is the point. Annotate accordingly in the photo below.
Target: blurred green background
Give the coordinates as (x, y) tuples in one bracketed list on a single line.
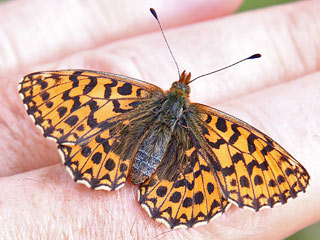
[(311, 232)]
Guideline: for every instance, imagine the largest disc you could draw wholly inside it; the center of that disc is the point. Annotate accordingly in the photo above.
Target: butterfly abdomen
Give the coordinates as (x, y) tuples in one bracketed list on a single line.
[(149, 155), (157, 138)]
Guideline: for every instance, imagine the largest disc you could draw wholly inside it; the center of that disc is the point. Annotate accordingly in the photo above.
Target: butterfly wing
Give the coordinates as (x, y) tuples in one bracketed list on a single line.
[(191, 196), (77, 108), (253, 170), (225, 160)]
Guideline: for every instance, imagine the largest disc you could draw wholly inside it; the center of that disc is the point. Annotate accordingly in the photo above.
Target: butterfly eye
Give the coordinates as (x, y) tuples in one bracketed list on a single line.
[(174, 85), (188, 89)]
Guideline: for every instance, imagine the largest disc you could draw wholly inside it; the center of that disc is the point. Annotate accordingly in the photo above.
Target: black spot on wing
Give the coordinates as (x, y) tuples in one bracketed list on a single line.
[(258, 180), (49, 104), (134, 104), (161, 191), (251, 165), (108, 89), (251, 146), (237, 157), (289, 172), (110, 164), (227, 171), (86, 151), (72, 120), (117, 108), (123, 167), (175, 197), (187, 202), (221, 124), (62, 111), (88, 88), (210, 188), (139, 92), (74, 78), (45, 96), (125, 90), (266, 150), (209, 119), (26, 99), (216, 144), (76, 104), (104, 142), (264, 166), (272, 183), (198, 198), (93, 105), (66, 96), (43, 84), (236, 134), (281, 179), (32, 109), (244, 182), (91, 121), (96, 158)]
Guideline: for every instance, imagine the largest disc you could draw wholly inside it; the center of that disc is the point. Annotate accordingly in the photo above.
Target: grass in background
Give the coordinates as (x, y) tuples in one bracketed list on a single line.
[(253, 4)]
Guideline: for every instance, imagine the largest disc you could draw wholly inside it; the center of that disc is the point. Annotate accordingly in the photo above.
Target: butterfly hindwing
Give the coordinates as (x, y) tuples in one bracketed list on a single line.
[(184, 191), (253, 170), (95, 164), (78, 108), (192, 198)]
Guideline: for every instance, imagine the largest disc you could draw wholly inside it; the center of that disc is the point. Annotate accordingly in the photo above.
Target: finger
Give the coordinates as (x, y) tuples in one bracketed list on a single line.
[(54, 195), (289, 50), (49, 193), (119, 55), (41, 31), (292, 124)]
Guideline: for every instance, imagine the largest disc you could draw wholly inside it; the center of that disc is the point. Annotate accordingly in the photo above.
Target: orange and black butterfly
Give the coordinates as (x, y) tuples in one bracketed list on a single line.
[(190, 160)]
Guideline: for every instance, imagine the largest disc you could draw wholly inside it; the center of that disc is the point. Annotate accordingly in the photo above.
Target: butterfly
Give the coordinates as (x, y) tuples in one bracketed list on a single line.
[(190, 160)]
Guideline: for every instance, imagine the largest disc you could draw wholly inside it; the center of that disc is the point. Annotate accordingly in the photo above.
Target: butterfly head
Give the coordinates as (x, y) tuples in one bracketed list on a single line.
[(181, 87)]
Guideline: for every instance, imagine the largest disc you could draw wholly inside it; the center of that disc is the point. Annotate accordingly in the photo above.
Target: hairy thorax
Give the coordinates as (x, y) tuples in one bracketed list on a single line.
[(157, 138)]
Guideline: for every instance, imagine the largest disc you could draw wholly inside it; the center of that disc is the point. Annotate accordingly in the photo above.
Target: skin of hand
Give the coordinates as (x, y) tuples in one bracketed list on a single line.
[(278, 94)]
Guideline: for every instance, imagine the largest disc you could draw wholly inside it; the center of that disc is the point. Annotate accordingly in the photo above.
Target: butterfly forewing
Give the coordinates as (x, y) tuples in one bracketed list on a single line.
[(227, 160), (67, 104), (253, 170), (78, 108)]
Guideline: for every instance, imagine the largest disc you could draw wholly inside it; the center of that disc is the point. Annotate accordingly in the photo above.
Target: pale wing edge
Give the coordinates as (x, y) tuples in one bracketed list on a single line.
[(248, 127)]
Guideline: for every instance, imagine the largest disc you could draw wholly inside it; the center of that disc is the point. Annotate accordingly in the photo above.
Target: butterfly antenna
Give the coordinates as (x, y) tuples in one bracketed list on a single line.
[(154, 13), (257, 55)]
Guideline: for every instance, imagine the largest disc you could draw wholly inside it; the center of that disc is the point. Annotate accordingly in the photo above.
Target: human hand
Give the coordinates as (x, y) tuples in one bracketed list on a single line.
[(277, 94)]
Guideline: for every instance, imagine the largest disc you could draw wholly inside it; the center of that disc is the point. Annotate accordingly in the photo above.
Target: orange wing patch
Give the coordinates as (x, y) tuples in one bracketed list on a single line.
[(67, 104), (95, 165), (77, 108), (193, 198), (253, 170)]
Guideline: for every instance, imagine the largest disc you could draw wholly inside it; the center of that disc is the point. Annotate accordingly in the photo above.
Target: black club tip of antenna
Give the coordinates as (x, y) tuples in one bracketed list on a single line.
[(154, 13), (257, 55)]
